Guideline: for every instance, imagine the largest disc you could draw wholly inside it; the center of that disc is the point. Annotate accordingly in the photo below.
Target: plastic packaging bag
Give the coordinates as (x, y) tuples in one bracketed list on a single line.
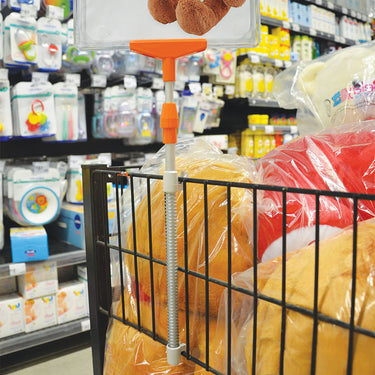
[(200, 160), (332, 90), (335, 280), (339, 159)]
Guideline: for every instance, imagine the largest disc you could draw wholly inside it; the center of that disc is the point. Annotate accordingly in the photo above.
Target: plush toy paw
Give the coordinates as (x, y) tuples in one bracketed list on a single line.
[(198, 17), (163, 11)]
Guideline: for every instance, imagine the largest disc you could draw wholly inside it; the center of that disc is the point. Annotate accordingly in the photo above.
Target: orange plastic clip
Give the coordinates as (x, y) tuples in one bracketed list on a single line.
[(168, 51), (169, 122)]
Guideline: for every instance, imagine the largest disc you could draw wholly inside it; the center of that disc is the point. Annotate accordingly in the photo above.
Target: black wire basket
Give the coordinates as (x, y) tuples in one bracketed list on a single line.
[(101, 242)]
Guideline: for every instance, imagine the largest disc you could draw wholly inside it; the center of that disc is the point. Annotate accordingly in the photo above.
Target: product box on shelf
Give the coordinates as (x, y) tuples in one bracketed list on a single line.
[(8, 285), (70, 227), (39, 280), (71, 301), (40, 313), (29, 244), (82, 276), (11, 315)]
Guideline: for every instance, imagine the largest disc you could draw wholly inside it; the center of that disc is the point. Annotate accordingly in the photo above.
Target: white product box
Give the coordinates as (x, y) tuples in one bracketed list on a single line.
[(12, 315), (40, 313), (82, 275), (82, 272), (8, 285), (39, 280), (71, 301)]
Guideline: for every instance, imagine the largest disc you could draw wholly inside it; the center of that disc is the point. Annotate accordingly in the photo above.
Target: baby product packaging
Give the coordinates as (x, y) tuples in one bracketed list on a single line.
[(29, 244), (82, 276), (11, 315), (71, 301), (40, 313), (39, 280)]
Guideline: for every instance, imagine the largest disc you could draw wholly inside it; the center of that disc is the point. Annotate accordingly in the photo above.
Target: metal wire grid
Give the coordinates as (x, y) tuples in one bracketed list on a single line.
[(98, 246)]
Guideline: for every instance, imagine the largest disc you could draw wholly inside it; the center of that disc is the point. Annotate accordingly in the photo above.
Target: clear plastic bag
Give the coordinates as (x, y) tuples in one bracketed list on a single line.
[(332, 90), (335, 280), (200, 160), (339, 159)]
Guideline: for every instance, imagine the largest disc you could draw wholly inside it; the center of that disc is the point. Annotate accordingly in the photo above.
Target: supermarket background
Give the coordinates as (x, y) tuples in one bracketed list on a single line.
[(61, 108)]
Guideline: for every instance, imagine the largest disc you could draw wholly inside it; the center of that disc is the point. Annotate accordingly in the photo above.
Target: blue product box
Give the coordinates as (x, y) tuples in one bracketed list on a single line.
[(308, 17), (291, 12), (70, 225), (28, 244)]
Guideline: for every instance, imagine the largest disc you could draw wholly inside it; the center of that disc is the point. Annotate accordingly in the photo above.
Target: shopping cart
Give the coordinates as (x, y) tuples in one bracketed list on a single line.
[(100, 243)]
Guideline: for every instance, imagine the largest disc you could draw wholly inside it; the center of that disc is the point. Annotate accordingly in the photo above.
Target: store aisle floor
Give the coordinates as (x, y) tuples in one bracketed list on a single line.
[(76, 363)]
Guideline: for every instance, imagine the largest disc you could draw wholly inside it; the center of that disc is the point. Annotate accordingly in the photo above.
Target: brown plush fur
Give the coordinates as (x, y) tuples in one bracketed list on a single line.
[(194, 16), (164, 11)]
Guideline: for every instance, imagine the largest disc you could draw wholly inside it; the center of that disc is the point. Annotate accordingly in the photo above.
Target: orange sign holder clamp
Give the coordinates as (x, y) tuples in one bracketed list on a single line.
[(168, 51)]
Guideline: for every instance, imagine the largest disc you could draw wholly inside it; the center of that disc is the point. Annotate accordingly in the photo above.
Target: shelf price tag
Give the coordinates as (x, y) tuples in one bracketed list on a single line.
[(130, 82), (294, 129), (16, 269), (296, 27), (287, 64), (157, 83), (269, 129), (218, 91), (207, 89), (318, 2), (312, 31), (345, 10), (286, 25), (195, 87), (55, 12), (3, 74), (330, 5), (39, 77), (74, 79), (40, 167), (85, 325), (98, 80), (28, 10), (342, 39), (179, 85), (278, 63), (255, 59), (229, 90), (337, 39)]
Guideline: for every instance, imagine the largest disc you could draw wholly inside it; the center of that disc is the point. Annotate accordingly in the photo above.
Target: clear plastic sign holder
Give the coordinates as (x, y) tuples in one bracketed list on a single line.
[(179, 28)]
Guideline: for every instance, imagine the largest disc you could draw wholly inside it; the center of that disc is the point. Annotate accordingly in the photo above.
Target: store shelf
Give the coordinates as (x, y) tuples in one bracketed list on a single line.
[(256, 58), (308, 31), (28, 340), (275, 129), (338, 9), (267, 103), (61, 253)]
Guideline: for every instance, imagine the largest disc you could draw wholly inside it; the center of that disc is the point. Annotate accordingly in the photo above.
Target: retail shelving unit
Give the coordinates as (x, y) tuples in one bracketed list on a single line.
[(266, 103), (28, 340), (308, 31), (64, 255), (338, 9), (275, 129)]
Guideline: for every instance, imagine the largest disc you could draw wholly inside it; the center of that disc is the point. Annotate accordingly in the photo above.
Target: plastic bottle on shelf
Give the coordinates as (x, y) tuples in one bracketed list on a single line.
[(269, 75), (246, 80), (258, 81)]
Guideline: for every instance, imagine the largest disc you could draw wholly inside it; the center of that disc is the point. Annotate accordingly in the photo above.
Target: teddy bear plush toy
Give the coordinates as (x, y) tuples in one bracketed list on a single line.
[(194, 16)]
